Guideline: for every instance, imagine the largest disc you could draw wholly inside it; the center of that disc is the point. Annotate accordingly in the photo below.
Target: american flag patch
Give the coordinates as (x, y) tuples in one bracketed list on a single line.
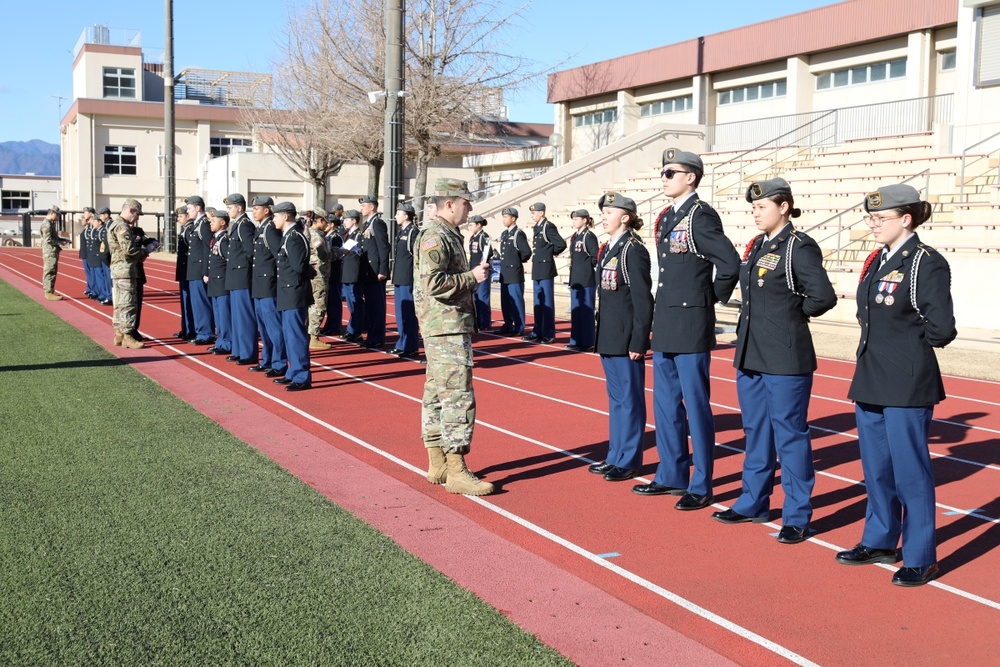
[(428, 244)]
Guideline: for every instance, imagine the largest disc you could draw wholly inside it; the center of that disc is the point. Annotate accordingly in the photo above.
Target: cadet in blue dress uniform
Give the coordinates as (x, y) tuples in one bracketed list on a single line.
[(294, 297), (356, 272), (690, 247), (546, 243), (375, 239), (264, 290), (239, 276), (402, 280), (905, 310), (215, 284), (86, 248), (783, 284), (514, 252), (624, 318), (104, 255), (198, 237), (180, 275), (481, 251), (582, 283)]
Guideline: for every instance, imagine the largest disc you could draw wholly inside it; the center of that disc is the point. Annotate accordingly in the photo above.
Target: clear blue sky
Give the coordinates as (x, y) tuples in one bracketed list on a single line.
[(224, 34)]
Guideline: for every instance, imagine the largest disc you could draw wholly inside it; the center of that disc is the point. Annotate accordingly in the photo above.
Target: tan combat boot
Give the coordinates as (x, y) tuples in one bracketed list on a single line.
[(461, 480), (316, 344), (118, 339), (437, 469), (131, 343), (52, 296)]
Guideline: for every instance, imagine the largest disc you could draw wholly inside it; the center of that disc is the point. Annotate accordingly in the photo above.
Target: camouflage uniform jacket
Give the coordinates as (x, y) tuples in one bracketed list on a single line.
[(319, 253), (444, 285), (49, 232), (125, 256)]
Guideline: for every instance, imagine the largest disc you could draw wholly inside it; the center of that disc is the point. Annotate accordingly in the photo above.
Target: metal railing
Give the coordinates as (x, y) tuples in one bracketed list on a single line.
[(962, 197)]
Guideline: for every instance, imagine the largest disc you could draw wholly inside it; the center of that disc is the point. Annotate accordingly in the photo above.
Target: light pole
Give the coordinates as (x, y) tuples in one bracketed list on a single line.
[(169, 220)]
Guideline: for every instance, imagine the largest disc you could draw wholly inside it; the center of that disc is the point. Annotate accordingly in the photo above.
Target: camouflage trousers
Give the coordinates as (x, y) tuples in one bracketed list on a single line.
[(50, 265), (318, 308), (124, 296), (448, 415)]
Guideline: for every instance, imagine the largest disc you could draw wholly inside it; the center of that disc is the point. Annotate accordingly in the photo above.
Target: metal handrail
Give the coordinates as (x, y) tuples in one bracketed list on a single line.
[(961, 177)]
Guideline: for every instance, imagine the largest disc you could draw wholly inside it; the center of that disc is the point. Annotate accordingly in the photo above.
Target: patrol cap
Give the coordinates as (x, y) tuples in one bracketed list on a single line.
[(133, 204), (54, 209), (452, 187), (684, 158), (368, 199), (477, 220), (104, 210), (616, 200), (351, 213), (181, 210), (320, 213), (89, 209), (768, 188), (537, 206), (285, 207), (235, 199), (196, 200), (891, 196), (580, 213), (511, 211), (262, 200), (220, 214)]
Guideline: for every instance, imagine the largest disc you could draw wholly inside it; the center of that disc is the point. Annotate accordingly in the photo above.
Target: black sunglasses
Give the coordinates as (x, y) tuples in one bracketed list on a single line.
[(670, 173)]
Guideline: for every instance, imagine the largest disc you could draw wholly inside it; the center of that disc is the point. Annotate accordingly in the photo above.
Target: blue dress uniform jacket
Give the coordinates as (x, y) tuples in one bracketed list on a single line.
[(180, 271), (905, 309), (239, 271), (514, 252), (215, 267), (198, 238), (783, 283), (267, 243), (625, 298), (546, 243), (690, 243), (294, 280), (355, 264), (583, 258), (402, 270), (375, 237)]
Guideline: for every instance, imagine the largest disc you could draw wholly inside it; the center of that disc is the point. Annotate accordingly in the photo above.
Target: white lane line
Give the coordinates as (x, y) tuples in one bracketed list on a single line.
[(524, 522)]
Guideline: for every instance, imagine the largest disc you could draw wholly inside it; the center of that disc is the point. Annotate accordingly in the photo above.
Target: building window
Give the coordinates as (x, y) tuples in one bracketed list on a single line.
[(853, 76), (119, 82), (673, 105), (220, 146), (119, 160), (596, 118), (947, 60), (15, 200), (987, 66), (751, 93)]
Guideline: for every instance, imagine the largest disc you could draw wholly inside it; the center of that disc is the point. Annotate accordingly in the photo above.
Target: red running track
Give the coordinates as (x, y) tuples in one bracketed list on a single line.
[(542, 418)]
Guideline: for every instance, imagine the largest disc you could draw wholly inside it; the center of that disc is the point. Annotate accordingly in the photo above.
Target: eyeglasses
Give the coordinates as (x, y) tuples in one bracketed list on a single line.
[(878, 221), (670, 173)]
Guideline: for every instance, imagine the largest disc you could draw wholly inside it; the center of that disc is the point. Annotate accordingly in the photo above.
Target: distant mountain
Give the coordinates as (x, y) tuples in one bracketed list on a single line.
[(29, 157)]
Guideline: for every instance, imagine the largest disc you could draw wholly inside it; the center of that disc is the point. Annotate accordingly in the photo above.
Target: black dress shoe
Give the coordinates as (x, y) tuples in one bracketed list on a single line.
[(372, 346), (729, 516), (530, 339), (282, 381), (233, 357), (106, 302), (411, 356), (183, 335), (395, 350), (573, 348), (862, 555), (549, 341), (792, 534), (617, 474), (689, 502), (298, 386), (275, 373), (916, 576), (503, 331), (600, 468), (246, 362), (654, 489), (258, 369), (203, 341)]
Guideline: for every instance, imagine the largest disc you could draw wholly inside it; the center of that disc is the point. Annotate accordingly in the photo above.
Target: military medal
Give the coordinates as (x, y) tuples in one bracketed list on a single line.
[(879, 298), (889, 300), (679, 240), (760, 282)]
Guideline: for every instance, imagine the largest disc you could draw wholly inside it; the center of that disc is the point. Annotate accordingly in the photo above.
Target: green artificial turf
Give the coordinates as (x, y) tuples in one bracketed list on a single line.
[(134, 531)]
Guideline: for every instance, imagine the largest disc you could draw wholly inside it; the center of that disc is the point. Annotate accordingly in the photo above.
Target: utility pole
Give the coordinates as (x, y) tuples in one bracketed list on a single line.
[(394, 20), (169, 218)]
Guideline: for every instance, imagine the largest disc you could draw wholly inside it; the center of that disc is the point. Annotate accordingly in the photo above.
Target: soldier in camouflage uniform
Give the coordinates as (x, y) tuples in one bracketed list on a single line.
[(319, 260), (125, 258), (443, 289), (52, 245)]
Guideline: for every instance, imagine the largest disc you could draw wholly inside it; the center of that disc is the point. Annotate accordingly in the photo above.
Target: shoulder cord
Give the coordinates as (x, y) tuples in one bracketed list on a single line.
[(789, 277), (689, 220), (914, 270)]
